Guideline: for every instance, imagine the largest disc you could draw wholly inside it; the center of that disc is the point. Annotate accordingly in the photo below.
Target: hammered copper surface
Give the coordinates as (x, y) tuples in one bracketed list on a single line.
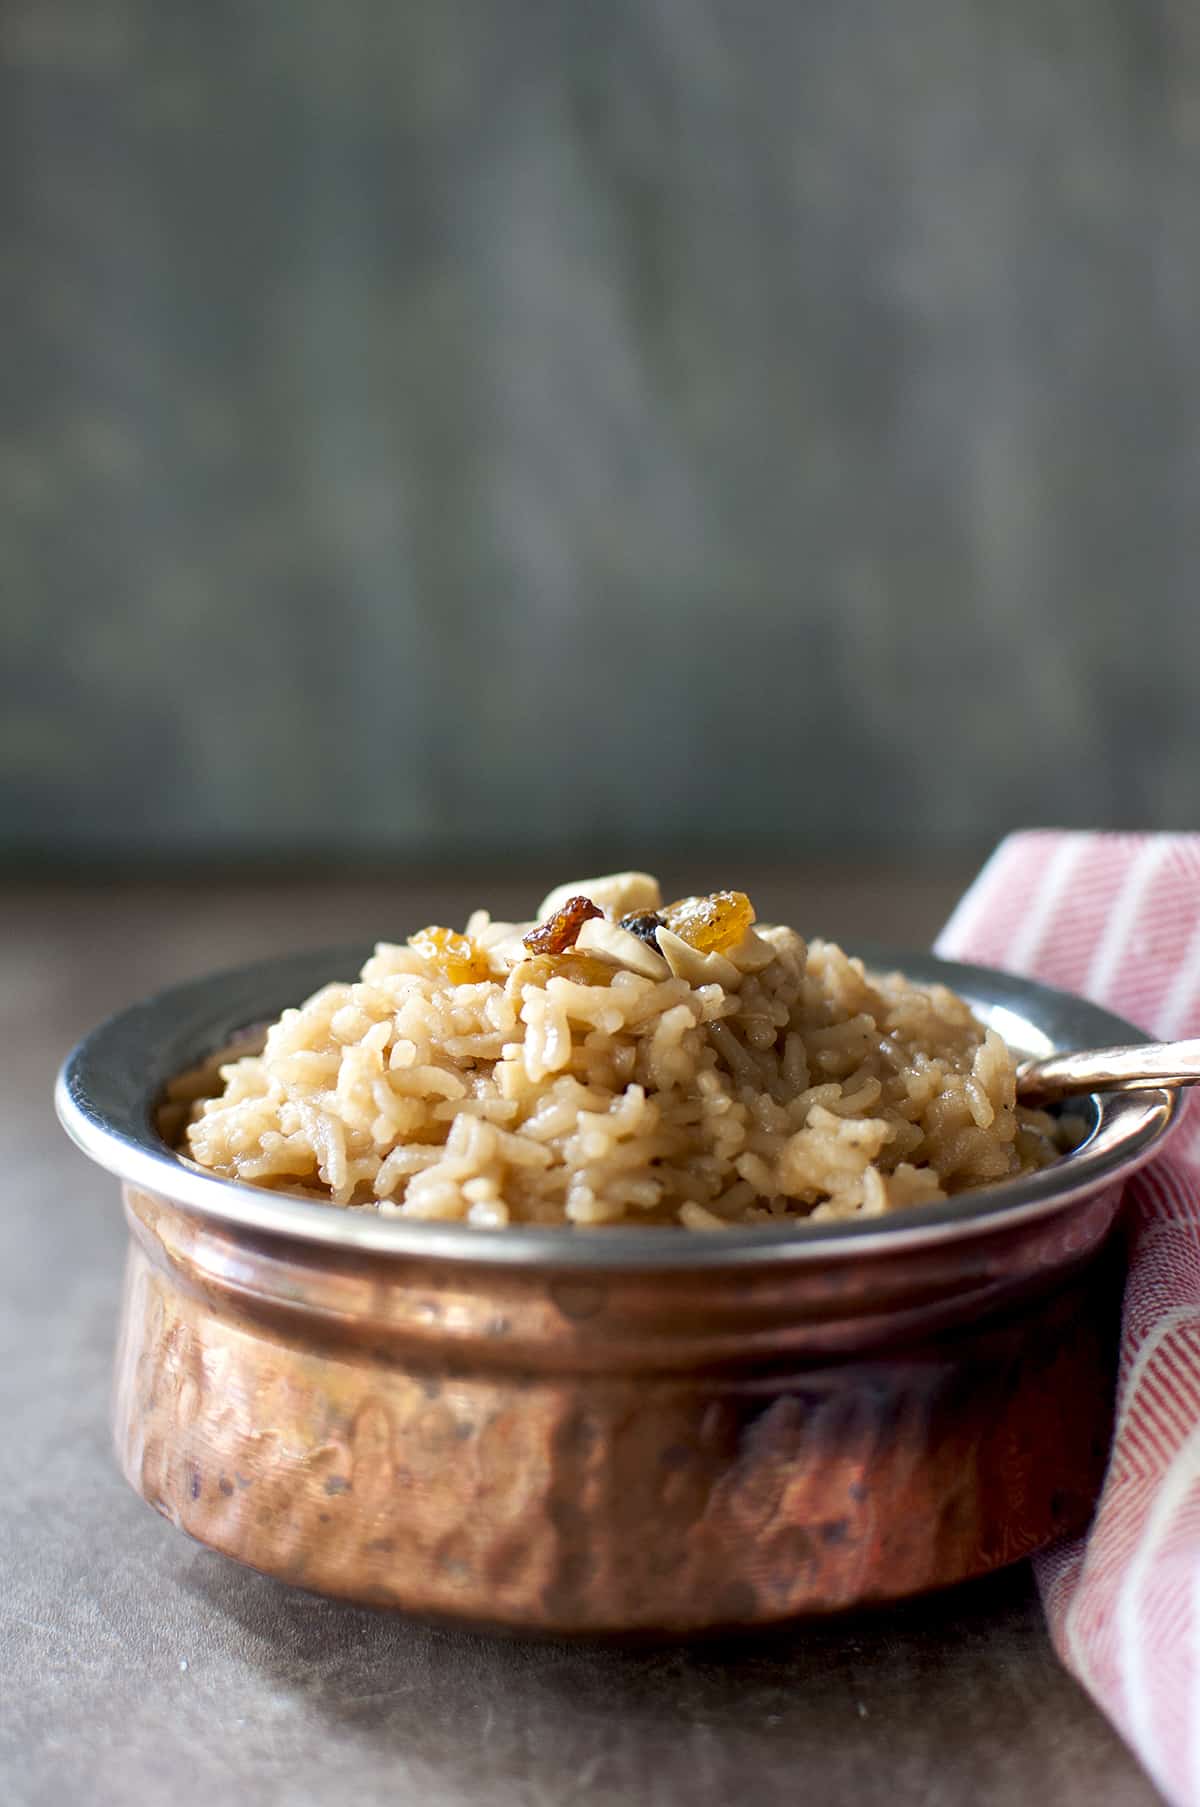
[(616, 1450)]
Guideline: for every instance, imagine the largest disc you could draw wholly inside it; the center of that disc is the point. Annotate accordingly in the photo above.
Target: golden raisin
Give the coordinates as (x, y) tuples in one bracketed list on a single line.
[(711, 924), (453, 954), (584, 969), (560, 931)]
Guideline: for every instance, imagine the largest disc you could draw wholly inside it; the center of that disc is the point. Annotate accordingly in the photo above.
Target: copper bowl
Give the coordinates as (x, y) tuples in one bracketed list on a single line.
[(628, 1429)]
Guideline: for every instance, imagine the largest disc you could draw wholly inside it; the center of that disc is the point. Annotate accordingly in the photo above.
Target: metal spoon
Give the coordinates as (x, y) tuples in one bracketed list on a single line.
[(1108, 1070)]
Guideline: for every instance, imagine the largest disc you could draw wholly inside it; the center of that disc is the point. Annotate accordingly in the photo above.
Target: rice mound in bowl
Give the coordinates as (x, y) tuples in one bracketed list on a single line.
[(615, 1061)]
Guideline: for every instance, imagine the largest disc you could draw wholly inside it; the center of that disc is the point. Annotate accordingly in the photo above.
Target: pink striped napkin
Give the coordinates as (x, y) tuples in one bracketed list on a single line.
[(1117, 918)]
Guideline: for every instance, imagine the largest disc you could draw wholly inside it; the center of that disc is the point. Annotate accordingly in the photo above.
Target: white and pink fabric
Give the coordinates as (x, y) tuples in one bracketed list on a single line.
[(1116, 918)]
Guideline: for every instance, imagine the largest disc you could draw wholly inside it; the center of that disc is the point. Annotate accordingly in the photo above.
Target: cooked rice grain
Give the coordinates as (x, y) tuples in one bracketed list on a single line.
[(757, 1083)]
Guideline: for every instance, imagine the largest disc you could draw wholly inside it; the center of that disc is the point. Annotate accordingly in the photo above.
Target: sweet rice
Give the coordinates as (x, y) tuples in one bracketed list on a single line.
[(709, 1073)]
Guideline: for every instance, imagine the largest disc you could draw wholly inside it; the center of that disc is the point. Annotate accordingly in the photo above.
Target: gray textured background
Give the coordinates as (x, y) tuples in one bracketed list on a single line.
[(488, 425)]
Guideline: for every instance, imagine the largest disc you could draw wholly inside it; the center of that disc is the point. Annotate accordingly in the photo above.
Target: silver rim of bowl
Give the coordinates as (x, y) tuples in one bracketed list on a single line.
[(109, 1085)]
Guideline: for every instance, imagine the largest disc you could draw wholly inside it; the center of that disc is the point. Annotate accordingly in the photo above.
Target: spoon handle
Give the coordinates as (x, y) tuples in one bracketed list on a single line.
[(1109, 1070)]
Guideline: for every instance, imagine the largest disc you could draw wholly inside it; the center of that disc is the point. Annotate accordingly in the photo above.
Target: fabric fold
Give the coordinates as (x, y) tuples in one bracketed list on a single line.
[(1116, 918)]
